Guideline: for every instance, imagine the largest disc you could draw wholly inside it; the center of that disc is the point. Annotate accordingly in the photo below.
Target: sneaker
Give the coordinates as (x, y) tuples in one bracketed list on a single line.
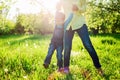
[(66, 70), (46, 65), (60, 70), (100, 72)]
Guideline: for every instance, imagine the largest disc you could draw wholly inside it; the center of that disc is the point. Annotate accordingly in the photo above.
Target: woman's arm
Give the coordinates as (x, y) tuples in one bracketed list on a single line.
[(68, 20), (80, 7)]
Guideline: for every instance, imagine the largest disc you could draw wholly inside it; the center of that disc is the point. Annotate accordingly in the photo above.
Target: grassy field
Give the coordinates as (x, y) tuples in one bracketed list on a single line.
[(22, 56)]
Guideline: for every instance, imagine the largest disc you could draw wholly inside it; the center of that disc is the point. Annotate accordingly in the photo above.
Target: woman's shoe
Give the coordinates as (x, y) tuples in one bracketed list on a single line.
[(100, 72), (66, 70)]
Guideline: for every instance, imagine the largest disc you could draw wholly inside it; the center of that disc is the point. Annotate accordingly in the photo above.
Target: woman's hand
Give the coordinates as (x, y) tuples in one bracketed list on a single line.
[(74, 8)]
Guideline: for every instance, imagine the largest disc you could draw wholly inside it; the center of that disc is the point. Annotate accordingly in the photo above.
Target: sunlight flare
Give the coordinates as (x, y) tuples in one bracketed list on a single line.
[(32, 6)]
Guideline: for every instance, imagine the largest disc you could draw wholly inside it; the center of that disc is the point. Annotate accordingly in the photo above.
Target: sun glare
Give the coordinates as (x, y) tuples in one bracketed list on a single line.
[(50, 5), (22, 6)]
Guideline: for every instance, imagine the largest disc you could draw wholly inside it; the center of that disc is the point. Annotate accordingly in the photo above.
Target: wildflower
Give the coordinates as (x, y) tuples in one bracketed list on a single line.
[(25, 77), (6, 70)]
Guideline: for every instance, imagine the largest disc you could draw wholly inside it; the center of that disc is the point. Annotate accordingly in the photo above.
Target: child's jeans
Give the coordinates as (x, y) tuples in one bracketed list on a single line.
[(56, 44), (51, 50)]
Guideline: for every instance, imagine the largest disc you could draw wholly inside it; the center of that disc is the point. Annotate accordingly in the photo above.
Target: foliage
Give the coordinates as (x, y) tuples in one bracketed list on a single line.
[(5, 7), (105, 15), (22, 56), (5, 25), (7, 28), (44, 23), (41, 23), (35, 23)]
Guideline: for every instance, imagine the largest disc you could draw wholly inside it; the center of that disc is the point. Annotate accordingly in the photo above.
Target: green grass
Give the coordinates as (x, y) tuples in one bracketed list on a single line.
[(22, 56)]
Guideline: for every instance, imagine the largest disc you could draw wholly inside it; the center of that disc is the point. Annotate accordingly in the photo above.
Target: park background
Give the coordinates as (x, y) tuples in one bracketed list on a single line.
[(26, 27)]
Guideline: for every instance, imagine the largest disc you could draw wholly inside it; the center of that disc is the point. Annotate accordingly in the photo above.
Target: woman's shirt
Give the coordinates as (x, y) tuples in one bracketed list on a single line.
[(79, 16)]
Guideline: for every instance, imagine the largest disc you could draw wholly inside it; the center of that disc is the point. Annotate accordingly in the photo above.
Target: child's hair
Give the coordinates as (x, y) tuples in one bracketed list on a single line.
[(59, 6), (59, 16)]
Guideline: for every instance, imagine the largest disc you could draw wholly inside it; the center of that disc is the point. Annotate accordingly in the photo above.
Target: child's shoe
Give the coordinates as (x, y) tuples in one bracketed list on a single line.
[(46, 65), (60, 70)]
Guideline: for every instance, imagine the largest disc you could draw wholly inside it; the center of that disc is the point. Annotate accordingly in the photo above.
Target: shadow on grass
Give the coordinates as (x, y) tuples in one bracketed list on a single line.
[(115, 35), (18, 39), (10, 36)]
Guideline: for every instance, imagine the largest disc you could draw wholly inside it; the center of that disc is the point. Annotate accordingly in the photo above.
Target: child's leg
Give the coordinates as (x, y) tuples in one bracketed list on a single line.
[(59, 56), (49, 55)]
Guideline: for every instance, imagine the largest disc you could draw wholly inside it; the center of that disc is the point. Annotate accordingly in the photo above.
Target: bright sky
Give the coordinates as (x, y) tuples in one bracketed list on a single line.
[(29, 6)]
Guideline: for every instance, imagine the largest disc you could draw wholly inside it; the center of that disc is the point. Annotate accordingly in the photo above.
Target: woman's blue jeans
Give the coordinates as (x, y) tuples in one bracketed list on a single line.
[(83, 34)]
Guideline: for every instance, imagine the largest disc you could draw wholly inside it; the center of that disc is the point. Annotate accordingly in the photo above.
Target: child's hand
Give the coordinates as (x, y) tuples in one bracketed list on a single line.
[(74, 8)]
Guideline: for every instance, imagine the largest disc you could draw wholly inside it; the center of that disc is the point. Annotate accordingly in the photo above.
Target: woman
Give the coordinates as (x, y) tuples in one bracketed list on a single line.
[(78, 24)]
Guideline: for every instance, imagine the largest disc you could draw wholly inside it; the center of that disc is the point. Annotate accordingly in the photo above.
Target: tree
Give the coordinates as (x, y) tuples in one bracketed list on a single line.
[(34, 23), (5, 25), (105, 15)]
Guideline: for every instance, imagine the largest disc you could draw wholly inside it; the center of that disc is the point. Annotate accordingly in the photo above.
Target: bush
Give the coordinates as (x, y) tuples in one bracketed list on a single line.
[(6, 27), (41, 23)]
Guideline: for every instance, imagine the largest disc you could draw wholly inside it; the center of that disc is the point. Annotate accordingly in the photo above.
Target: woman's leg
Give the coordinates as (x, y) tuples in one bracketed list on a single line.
[(68, 36), (83, 33)]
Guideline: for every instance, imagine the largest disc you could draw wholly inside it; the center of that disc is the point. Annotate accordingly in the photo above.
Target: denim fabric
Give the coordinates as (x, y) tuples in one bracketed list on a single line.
[(56, 44), (83, 34), (58, 35), (51, 50)]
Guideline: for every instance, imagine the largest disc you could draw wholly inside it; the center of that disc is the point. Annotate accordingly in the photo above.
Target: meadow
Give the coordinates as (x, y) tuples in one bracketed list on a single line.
[(22, 56)]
